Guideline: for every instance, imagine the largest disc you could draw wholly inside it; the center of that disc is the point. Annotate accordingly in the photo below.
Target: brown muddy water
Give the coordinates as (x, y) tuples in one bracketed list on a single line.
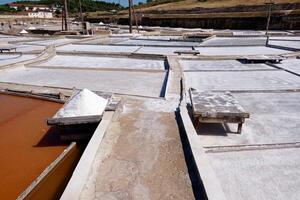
[(27, 145)]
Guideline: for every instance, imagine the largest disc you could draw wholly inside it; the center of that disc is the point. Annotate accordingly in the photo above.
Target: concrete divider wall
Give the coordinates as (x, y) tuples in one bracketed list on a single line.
[(206, 174)]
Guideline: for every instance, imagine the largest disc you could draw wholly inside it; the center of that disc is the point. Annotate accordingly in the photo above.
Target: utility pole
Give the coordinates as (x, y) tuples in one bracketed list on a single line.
[(135, 18), (81, 16), (269, 5), (130, 15), (66, 15)]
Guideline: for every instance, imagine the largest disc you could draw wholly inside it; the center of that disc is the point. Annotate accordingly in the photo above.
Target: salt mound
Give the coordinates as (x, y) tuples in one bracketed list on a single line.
[(31, 28), (84, 103), (23, 32)]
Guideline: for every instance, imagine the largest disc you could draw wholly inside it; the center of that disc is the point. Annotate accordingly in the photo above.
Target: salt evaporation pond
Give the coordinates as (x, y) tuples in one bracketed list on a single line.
[(27, 146)]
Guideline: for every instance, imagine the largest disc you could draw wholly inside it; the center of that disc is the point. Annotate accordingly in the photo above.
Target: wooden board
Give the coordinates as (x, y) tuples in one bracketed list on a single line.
[(193, 52), (7, 48)]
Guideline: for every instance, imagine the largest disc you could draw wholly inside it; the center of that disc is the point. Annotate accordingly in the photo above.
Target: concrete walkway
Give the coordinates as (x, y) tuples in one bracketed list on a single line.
[(141, 156)]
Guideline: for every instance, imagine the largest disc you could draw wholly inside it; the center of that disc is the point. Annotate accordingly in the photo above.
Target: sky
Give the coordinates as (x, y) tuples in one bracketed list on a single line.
[(122, 2)]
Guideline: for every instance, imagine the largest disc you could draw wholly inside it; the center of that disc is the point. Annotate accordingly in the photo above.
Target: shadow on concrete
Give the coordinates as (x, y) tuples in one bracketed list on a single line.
[(197, 185), (216, 129)]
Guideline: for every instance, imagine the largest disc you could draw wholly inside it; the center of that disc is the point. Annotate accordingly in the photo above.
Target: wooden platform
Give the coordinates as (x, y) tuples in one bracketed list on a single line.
[(188, 52), (209, 107), (262, 59), (7, 48)]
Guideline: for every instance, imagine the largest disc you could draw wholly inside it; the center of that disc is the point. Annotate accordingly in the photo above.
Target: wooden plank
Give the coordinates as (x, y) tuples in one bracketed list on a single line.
[(7, 48), (221, 120), (194, 52), (74, 120)]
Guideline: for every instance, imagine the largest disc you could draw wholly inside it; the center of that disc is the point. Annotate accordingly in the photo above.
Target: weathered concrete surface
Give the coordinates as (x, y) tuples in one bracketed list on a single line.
[(285, 43), (146, 42), (9, 38), (220, 65), (222, 51), (249, 80), (238, 41), (30, 48), (268, 174), (134, 83), (105, 40), (141, 157), (174, 78), (248, 33), (292, 65), (211, 184), (161, 50), (56, 41), (103, 62), (285, 38), (158, 37), (6, 59), (81, 173), (97, 48), (274, 118)]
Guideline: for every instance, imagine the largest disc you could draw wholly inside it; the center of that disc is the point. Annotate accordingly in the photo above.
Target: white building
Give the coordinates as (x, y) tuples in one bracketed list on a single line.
[(28, 7), (44, 14)]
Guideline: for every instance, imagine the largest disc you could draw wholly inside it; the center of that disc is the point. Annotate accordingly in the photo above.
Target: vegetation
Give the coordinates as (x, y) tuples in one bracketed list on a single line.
[(156, 2), (5, 8), (191, 4)]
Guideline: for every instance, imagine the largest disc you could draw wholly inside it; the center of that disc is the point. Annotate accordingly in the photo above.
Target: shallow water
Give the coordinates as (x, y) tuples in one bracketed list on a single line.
[(27, 146)]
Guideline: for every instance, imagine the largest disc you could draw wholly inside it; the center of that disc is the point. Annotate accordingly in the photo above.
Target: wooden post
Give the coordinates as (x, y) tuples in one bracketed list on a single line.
[(239, 131), (130, 15), (269, 10), (81, 16), (66, 15), (135, 19), (62, 18)]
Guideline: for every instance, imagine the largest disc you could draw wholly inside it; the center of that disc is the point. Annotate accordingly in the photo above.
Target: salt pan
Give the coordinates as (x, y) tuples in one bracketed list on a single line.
[(84, 103)]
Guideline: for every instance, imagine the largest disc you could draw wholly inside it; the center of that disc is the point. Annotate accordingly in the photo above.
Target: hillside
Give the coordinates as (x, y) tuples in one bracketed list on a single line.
[(192, 4), (220, 14)]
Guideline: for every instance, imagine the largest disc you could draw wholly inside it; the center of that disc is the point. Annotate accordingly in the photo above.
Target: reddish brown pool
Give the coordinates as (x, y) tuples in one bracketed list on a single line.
[(27, 146)]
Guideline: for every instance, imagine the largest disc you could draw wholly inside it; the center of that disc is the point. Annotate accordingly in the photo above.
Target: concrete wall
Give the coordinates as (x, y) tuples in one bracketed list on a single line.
[(277, 22)]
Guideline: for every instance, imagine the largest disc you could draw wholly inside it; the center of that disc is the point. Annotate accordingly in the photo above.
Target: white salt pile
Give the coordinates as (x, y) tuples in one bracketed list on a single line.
[(84, 103), (31, 28), (23, 32)]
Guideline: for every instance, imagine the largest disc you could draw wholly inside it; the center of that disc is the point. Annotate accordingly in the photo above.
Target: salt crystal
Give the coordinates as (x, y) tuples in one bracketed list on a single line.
[(85, 103)]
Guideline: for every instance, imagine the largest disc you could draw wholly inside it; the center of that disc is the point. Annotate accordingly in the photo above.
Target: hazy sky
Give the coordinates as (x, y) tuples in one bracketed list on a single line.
[(122, 2)]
